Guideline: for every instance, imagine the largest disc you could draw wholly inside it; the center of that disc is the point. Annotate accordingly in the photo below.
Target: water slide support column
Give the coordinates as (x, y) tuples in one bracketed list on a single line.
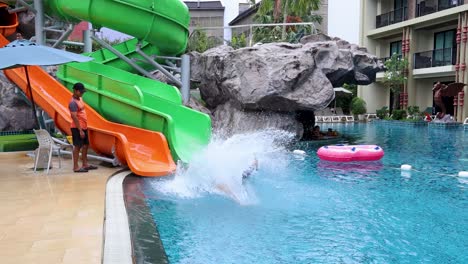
[(64, 36), (185, 76), (88, 42), (39, 22), (159, 66), (24, 4), (121, 56)]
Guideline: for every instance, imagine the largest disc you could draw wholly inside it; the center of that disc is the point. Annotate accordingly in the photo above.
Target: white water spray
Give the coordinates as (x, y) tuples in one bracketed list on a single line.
[(218, 168)]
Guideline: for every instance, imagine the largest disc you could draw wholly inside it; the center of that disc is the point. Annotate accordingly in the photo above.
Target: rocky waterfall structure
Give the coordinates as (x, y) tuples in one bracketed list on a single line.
[(267, 85)]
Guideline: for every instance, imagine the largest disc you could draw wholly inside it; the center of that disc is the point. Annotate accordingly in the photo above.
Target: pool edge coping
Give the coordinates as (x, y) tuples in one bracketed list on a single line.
[(117, 240)]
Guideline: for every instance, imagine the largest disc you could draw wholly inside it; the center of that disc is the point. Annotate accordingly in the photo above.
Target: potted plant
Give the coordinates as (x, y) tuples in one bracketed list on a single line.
[(358, 107), (382, 113)]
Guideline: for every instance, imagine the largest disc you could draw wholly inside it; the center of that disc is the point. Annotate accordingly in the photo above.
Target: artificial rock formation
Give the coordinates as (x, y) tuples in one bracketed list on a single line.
[(279, 78), (15, 114)]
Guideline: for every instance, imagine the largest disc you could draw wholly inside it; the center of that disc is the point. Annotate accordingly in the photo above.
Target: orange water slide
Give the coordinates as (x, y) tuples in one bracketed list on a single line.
[(8, 22), (145, 152)]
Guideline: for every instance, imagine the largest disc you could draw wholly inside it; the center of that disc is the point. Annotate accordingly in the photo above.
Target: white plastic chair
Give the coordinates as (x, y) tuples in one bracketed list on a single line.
[(46, 147)]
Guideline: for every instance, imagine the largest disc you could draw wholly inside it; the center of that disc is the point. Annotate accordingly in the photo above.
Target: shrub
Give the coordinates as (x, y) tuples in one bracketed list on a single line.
[(200, 41), (399, 114), (238, 42), (414, 111), (382, 113), (358, 106)]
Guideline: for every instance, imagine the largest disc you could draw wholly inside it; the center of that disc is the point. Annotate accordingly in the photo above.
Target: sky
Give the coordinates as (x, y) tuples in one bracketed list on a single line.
[(343, 20)]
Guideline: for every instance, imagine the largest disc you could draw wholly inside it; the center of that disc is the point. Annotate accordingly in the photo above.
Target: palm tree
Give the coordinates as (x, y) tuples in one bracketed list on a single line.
[(287, 8)]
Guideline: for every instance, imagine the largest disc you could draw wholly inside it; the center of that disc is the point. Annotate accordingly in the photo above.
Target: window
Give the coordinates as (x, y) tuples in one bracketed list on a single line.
[(399, 4), (444, 48), (395, 47), (399, 9)]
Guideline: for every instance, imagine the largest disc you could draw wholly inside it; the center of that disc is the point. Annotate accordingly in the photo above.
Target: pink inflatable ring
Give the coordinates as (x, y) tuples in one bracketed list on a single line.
[(347, 153)]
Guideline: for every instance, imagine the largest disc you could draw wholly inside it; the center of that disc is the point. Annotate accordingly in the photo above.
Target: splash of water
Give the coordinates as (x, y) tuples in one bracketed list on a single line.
[(218, 168)]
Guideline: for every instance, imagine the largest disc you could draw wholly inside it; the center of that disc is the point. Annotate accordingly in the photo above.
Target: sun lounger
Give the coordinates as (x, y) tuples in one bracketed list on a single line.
[(343, 117), (370, 117)]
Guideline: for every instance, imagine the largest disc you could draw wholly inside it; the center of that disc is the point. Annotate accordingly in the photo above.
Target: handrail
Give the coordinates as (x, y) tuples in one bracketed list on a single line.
[(422, 9), (392, 17), (384, 59), (434, 58)]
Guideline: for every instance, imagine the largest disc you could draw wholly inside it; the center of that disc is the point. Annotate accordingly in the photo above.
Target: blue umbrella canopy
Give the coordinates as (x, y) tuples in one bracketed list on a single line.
[(24, 52)]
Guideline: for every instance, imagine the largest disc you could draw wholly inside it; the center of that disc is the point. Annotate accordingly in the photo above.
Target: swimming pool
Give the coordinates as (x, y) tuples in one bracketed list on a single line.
[(297, 210)]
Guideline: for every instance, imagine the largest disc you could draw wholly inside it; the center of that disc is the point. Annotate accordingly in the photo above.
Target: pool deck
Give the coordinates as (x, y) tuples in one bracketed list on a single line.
[(55, 218)]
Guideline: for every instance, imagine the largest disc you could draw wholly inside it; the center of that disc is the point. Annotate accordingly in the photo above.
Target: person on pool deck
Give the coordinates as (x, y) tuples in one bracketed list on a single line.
[(79, 129)]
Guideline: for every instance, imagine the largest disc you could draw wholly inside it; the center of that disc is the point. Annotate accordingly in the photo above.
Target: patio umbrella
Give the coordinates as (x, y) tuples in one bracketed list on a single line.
[(23, 53), (342, 90)]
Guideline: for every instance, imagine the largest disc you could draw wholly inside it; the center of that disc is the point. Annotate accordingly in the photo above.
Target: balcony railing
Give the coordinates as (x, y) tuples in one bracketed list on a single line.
[(435, 58), (395, 16), (429, 7), (388, 58)]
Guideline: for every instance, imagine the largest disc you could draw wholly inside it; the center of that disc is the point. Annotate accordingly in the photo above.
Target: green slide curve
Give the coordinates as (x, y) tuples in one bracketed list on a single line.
[(124, 97)]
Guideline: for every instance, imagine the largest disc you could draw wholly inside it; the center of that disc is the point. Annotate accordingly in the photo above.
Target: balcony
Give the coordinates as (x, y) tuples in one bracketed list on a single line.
[(388, 58), (429, 7), (435, 58), (395, 16)]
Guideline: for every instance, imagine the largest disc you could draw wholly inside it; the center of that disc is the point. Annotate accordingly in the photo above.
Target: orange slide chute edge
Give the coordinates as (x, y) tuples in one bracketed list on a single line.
[(145, 152), (9, 21)]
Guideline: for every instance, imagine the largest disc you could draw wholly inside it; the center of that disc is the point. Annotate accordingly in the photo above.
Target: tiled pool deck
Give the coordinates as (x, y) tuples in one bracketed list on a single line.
[(55, 218)]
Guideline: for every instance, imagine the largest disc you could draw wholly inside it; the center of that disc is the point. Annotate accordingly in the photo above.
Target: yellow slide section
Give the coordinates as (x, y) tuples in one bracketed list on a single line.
[(145, 152)]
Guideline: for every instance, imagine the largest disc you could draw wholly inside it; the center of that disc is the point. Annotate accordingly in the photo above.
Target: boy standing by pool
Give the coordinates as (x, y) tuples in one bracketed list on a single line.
[(79, 129)]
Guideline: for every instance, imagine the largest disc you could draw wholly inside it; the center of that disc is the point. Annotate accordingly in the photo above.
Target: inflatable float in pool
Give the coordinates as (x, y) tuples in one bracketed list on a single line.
[(347, 153)]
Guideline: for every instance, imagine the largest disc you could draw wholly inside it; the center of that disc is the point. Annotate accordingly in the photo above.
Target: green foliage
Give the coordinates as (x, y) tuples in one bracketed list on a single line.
[(299, 8), (267, 34), (399, 114), (290, 11), (351, 87), (238, 42), (414, 111), (344, 101), (382, 113), (358, 106), (394, 76), (201, 42), (270, 34)]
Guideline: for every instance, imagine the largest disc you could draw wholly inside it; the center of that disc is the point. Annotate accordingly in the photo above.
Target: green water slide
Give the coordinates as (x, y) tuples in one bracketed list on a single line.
[(122, 96)]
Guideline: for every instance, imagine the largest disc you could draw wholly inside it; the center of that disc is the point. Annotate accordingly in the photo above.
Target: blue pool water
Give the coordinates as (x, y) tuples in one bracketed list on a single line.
[(297, 210)]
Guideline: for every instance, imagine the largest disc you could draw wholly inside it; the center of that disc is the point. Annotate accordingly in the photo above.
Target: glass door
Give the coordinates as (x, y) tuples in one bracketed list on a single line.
[(444, 48), (399, 10)]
